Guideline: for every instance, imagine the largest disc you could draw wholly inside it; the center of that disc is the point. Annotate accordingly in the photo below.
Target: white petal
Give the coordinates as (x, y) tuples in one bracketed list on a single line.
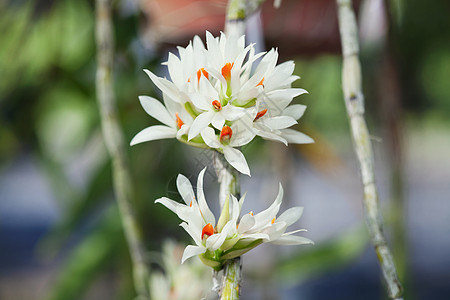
[(218, 120), (183, 131), (280, 77), (175, 69), (247, 222), (194, 232), (192, 251), (207, 89), (296, 137), (165, 86), (151, 133), (234, 208), (241, 202), (277, 100), (169, 203), (291, 215), (266, 216), (295, 111), (276, 230), (232, 113), (210, 138), (292, 240), (200, 101), (267, 135), (185, 189), (214, 53), (218, 75), (243, 132), (200, 123), (206, 212), (236, 159), (216, 240), (157, 110), (256, 236), (279, 122)]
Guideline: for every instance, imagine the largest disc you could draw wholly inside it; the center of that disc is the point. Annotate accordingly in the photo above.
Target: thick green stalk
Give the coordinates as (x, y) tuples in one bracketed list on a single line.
[(115, 145), (229, 278), (354, 100), (232, 279)]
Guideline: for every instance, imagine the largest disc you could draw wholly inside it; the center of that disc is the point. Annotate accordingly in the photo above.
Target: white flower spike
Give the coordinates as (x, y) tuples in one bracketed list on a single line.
[(214, 100), (232, 235)]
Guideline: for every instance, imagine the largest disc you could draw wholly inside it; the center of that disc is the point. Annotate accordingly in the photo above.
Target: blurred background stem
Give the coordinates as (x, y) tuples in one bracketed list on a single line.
[(354, 100), (114, 141)]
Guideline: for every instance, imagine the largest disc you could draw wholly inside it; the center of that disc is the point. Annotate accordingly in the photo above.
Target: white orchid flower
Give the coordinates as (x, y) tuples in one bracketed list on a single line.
[(199, 222), (236, 135), (172, 114), (230, 237), (273, 116)]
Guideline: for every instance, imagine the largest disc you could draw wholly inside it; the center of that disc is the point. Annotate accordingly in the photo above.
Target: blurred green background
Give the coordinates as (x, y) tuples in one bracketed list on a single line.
[(60, 231)]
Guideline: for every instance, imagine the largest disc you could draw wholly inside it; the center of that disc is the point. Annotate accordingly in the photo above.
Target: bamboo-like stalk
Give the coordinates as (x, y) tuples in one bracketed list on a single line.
[(354, 101), (228, 284), (237, 13), (115, 145)]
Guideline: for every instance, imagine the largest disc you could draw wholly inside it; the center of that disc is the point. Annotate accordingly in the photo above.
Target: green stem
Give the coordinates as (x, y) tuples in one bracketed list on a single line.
[(115, 144), (354, 100), (232, 279), (227, 280)]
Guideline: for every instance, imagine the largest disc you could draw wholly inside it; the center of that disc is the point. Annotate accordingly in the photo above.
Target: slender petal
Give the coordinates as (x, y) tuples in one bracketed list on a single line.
[(185, 189), (206, 212), (193, 232), (295, 111), (192, 251), (157, 132), (279, 122), (210, 138), (291, 215), (236, 159), (157, 110), (296, 137), (200, 123), (292, 240), (165, 86)]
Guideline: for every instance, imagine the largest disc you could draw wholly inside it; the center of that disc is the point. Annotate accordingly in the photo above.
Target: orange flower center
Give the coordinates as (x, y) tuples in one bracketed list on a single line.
[(226, 71), (200, 72), (260, 114), (217, 105), (208, 230), (225, 134), (179, 122), (261, 82)]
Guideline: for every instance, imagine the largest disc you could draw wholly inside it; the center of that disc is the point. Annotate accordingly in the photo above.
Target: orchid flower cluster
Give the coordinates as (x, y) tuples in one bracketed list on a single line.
[(233, 234), (215, 100)]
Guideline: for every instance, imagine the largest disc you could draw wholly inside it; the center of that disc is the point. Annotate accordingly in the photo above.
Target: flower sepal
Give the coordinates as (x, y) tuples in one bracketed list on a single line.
[(240, 249), (212, 259)]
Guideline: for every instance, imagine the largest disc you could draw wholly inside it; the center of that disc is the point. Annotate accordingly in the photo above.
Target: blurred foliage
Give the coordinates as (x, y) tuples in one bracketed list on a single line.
[(48, 111)]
